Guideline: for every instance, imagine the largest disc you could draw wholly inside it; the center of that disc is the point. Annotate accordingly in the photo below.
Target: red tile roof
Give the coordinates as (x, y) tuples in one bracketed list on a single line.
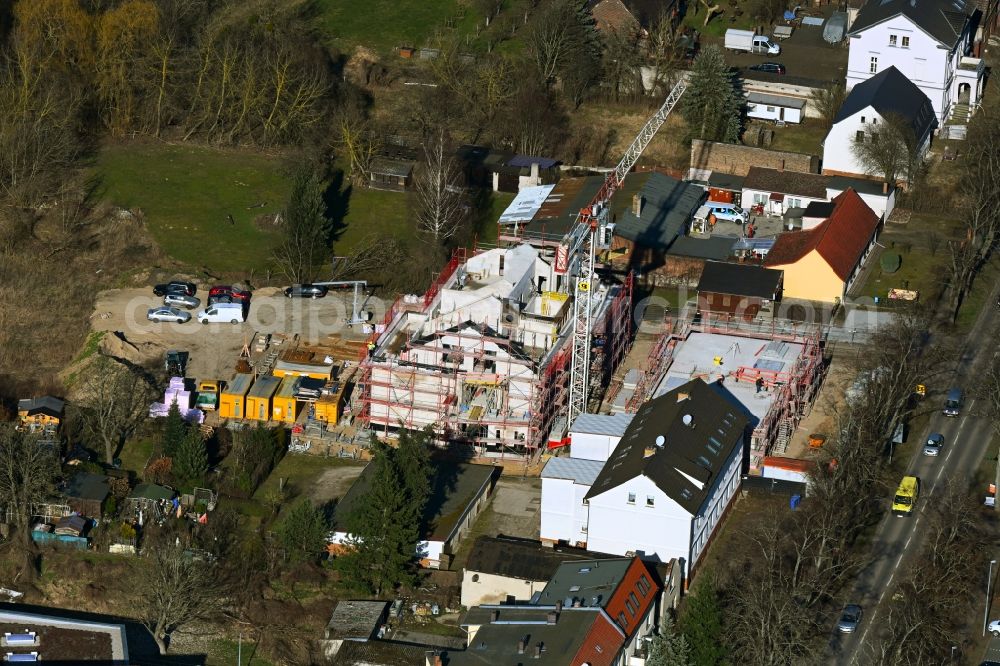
[(841, 239), (615, 16), (601, 646)]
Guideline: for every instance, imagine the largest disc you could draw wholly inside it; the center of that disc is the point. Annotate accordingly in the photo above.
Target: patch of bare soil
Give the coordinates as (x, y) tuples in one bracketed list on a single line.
[(334, 483)]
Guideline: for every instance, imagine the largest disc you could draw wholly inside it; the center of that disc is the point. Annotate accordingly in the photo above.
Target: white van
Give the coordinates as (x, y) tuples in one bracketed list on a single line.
[(221, 313)]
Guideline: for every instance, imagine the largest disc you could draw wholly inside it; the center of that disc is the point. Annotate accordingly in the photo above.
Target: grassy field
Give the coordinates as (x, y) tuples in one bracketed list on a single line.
[(806, 137), (387, 24), (187, 194)]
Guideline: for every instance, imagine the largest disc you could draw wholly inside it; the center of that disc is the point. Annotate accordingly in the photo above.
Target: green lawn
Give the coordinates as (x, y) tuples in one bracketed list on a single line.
[(806, 137), (136, 452), (975, 300), (373, 213), (387, 24), (299, 473), (187, 194)]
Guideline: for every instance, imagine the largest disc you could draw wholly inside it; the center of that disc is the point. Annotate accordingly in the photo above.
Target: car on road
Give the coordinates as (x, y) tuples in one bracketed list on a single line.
[(306, 291), (179, 300), (850, 618), (231, 292), (769, 67), (167, 313), (175, 287), (994, 627), (933, 445)]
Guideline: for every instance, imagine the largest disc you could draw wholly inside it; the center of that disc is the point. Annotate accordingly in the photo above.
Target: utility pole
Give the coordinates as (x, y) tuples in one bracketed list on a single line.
[(986, 612)]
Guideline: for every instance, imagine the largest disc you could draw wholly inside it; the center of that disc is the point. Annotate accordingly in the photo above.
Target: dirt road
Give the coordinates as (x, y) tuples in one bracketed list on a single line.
[(214, 348)]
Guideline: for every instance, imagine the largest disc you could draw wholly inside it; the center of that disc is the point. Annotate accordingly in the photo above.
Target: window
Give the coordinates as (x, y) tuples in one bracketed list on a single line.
[(631, 498), (873, 65), (725, 300), (633, 599), (644, 585), (794, 203), (650, 500), (760, 197), (859, 136), (630, 607), (770, 109), (892, 40), (906, 42), (862, 120), (622, 620)]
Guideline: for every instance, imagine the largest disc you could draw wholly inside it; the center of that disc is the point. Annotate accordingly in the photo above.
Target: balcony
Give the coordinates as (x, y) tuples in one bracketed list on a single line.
[(969, 64)]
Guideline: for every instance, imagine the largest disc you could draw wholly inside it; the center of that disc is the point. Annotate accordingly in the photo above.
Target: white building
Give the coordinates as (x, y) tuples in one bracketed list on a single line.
[(778, 108), (666, 486), (929, 41), (887, 94), (778, 190)]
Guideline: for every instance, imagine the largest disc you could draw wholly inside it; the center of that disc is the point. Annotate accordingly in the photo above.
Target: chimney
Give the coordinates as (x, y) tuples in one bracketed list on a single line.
[(649, 451), (520, 646), (494, 615), (538, 650), (437, 660), (551, 617), (534, 173), (637, 204), (885, 187)]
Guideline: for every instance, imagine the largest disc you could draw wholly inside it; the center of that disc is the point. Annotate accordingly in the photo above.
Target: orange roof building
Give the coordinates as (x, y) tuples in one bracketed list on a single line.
[(822, 263)]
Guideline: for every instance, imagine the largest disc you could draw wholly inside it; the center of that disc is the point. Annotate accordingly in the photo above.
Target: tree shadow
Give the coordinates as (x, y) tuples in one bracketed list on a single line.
[(337, 198)]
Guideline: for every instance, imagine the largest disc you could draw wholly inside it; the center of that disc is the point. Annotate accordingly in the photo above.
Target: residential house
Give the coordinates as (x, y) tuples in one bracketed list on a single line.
[(778, 191), (511, 570), (44, 413), (459, 493), (671, 478), (746, 291), (86, 493), (822, 263), (614, 16), (886, 97), (879, 196), (595, 436), (392, 169), (929, 42)]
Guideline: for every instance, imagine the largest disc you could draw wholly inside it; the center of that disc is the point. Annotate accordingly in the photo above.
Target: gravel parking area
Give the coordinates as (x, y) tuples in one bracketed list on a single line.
[(214, 348)]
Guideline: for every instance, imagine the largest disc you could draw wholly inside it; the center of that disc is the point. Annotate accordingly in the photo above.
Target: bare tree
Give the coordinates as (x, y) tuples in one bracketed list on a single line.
[(115, 399), (355, 135), (664, 54), (888, 149), (441, 205), (175, 589), (27, 478), (623, 61), (828, 101)]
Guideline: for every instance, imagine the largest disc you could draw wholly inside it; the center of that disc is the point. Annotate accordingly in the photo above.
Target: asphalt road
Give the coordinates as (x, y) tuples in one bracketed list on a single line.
[(898, 538)]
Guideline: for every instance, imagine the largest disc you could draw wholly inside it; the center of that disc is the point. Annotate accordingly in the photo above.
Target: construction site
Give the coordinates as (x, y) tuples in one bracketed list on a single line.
[(774, 376), (484, 356)]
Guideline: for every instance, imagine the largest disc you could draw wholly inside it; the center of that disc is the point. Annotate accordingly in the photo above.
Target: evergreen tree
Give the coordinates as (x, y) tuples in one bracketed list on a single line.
[(303, 532), (711, 105), (669, 647), (174, 431), (384, 525), (701, 623), (191, 459)]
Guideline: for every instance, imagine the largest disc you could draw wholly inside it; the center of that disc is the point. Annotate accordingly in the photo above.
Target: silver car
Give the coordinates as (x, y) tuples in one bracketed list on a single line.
[(850, 618), (933, 445), (178, 300), (166, 313)]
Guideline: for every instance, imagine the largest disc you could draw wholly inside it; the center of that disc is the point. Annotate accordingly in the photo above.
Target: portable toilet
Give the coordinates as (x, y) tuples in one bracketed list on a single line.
[(285, 407), (233, 398), (260, 397)]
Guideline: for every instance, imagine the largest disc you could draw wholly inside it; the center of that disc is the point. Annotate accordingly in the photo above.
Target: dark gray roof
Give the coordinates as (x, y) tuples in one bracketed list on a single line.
[(379, 653), (527, 160), (820, 209), (593, 581), (667, 205), (496, 643), (859, 185), (355, 619), (721, 277), (726, 181), (43, 405), (779, 181), (944, 20), (454, 487), (890, 92), (87, 486), (392, 167), (696, 451), (519, 558), (714, 247)]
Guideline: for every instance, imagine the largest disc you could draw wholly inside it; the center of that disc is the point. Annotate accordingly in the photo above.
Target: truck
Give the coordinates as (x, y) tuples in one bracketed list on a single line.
[(208, 395), (751, 42)]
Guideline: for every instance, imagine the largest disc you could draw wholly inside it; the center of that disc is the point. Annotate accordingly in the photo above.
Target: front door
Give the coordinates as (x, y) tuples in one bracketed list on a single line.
[(781, 113)]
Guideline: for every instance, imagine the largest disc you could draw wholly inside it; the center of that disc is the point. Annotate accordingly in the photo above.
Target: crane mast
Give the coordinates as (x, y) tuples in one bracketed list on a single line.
[(576, 255)]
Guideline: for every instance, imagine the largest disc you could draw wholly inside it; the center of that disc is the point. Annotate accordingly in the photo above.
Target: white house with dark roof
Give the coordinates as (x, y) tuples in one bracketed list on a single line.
[(665, 488), (928, 41), (888, 94)]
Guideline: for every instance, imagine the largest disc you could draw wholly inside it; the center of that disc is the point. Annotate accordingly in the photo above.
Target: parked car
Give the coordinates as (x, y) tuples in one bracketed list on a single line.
[(220, 298), (727, 212), (769, 67), (175, 287), (306, 291), (994, 627), (933, 445), (226, 290), (167, 313), (222, 312), (850, 618), (180, 300)]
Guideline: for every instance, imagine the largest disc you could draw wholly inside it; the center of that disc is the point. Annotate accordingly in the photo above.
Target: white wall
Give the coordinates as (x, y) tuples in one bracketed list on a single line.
[(882, 204), (564, 515), (480, 588), (751, 197), (722, 493), (838, 155), (924, 62), (659, 532), (764, 111), (589, 446)]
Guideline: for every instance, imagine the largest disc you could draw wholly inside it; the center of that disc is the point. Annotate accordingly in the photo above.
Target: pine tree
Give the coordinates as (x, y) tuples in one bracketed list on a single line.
[(669, 647), (711, 105), (191, 459), (174, 431), (701, 623), (303, 532)]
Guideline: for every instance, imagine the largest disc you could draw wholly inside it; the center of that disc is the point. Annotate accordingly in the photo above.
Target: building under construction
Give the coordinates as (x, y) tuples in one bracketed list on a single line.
[(483, 356)]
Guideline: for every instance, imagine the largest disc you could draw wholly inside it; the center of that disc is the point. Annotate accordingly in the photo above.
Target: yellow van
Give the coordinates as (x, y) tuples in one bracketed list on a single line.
[(905, 499)]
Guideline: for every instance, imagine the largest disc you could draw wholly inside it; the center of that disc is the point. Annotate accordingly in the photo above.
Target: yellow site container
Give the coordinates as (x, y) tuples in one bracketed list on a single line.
[(259, 398), (232, 400), (284, 407), (327, 408)]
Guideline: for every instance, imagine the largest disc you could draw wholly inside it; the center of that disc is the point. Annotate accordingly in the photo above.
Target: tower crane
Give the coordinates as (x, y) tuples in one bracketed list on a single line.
[(575, 255)]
